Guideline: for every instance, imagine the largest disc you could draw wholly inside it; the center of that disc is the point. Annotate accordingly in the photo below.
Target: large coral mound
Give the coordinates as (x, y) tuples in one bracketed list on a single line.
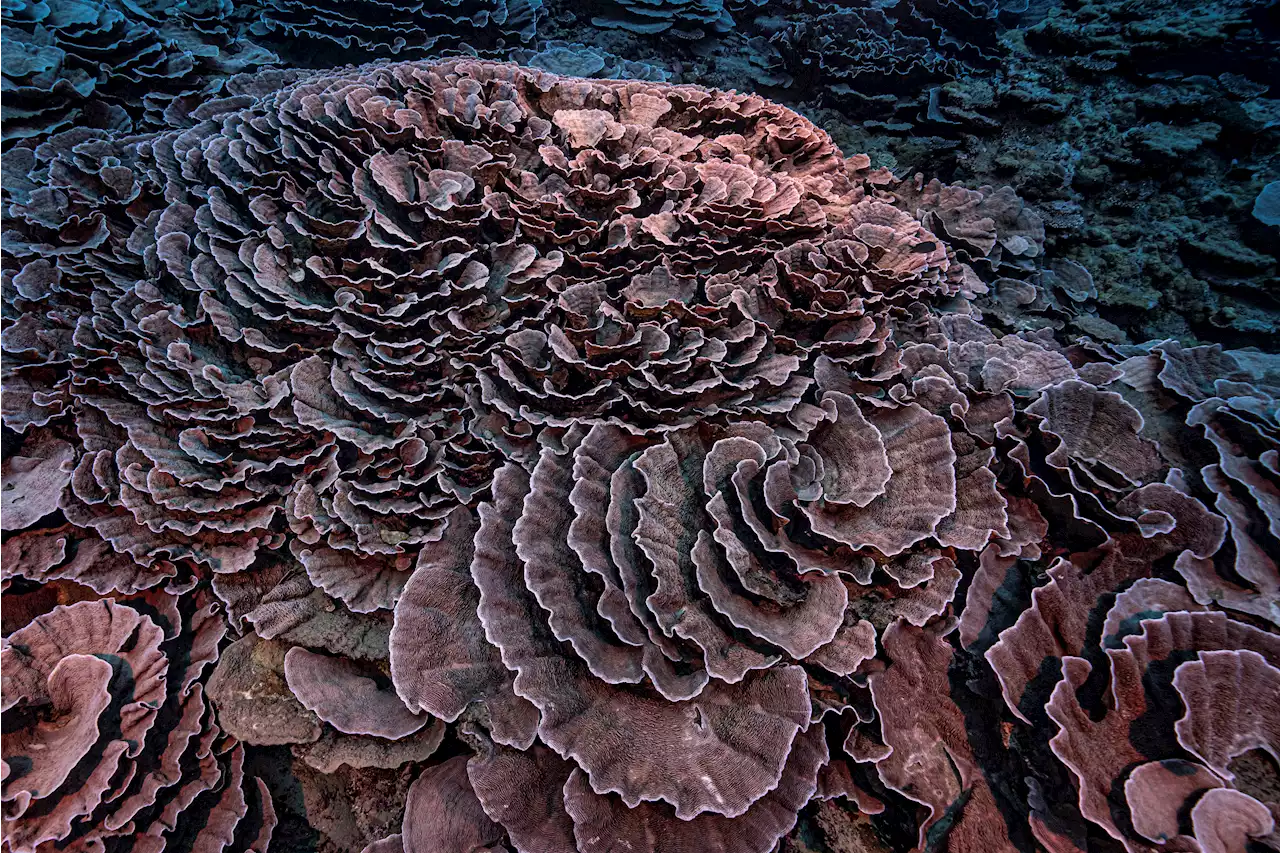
[(634, 438)]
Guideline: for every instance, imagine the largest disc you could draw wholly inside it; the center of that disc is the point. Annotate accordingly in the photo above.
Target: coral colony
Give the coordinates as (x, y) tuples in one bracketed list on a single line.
[(408, 452)]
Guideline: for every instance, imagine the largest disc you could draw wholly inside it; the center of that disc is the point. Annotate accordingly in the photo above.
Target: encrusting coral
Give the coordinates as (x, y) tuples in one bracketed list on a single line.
[(665, 460)]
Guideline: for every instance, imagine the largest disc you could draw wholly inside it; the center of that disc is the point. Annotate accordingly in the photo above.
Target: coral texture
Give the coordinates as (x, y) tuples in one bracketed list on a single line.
[(111, 742), (1144, 132), (319, 34), (671, 464), (1266, 207), (116, 65)]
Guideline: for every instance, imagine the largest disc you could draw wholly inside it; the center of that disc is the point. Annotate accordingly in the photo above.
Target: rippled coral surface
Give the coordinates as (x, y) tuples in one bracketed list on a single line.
[(458, 456)]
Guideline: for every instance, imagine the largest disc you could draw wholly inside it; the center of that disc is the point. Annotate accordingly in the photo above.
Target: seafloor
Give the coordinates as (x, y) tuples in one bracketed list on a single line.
[(856, 430)]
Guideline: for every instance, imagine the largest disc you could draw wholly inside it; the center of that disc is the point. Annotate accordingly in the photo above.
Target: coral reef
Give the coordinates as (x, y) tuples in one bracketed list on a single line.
[(323, 34), (1144, 156), (855, 49), (572, 59), (688, 19), (1142, 131), (121, 66), (440, 456)]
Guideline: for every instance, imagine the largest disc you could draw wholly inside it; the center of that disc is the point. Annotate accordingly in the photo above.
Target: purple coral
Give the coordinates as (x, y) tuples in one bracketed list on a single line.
[(634, 436), (112, 740)]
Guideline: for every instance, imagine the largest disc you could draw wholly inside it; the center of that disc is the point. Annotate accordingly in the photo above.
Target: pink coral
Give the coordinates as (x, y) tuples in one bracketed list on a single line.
[(107, 720), (634, 440)]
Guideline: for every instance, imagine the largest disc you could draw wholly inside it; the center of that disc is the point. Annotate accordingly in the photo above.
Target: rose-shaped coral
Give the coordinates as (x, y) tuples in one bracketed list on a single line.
[(315, 35), (637, 440), (110, 741), (118, 66), (345, 383)]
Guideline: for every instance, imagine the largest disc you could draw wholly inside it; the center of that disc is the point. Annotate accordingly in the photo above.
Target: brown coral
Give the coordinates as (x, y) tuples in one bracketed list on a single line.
[(111, 740), (643, 440)]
